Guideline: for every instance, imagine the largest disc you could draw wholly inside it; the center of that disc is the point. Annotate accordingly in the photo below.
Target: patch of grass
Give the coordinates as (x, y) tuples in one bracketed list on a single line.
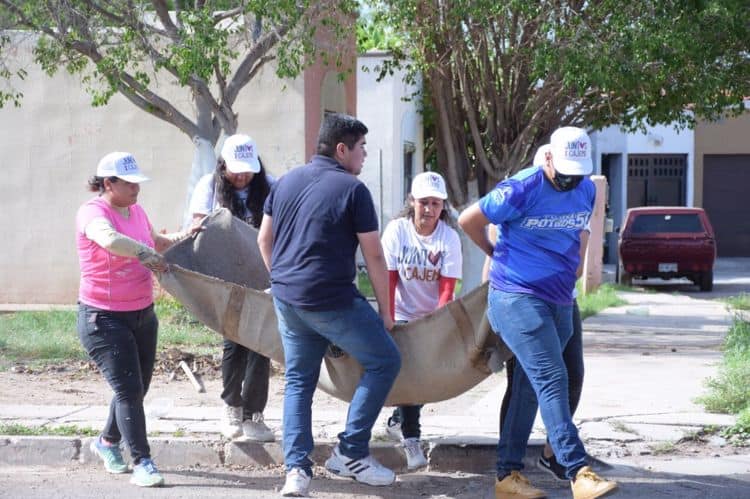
[(693, 436), (711, 429), (729, 392), (62, 431), (178, 328), (739, 434), (737, 342), (739, 302), (51, 336), (48, 336), (593, 303), (365, 286), (663, 448), (621, 427)]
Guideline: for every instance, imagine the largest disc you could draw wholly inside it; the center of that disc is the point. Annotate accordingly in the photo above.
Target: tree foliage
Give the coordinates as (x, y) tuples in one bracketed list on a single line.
[(501, 75), (213, 49)]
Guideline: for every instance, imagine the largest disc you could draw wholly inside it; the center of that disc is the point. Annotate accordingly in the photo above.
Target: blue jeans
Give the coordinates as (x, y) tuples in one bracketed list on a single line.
[(305, 335), (536, 331), (123, 346), (573, 359)]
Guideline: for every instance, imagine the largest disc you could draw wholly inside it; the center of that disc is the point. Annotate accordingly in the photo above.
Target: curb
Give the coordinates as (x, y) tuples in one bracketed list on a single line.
[(170, 452)]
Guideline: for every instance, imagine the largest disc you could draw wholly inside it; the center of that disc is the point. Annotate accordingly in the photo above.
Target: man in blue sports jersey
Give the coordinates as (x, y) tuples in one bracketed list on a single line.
[(540, 213)]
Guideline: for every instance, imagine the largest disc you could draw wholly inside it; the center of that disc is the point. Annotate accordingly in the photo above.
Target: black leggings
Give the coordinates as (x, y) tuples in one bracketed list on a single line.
[(573, 358), (245, 377), (408, 417), (123, 346)]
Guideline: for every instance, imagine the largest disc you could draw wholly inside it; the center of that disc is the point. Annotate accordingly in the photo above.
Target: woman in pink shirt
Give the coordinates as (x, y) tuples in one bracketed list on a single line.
[(117, 250)]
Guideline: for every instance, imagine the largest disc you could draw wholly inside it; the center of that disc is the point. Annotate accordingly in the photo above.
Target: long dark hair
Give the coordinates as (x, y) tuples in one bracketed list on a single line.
[(257, 192), (408, 212)]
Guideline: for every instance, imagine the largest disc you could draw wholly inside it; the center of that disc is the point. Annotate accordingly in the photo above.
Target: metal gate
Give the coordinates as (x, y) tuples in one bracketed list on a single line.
[(656, 179), (726, 179)]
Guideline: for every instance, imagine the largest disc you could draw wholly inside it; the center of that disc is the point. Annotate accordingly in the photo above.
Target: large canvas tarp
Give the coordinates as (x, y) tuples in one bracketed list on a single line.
[(220, 278)]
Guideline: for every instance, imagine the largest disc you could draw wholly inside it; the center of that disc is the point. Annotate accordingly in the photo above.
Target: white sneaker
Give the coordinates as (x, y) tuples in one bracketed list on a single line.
[(231, 421), (366, 470), (297, 483), (415, 457), (393, 430), (255, 429)]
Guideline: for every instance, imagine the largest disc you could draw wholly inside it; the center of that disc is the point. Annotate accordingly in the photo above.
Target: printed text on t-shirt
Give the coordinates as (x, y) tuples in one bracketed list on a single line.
[(563, 221)]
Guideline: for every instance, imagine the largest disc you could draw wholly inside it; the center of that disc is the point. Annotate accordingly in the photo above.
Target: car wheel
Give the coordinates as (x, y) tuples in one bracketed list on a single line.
[(706, 280), (623, 277)]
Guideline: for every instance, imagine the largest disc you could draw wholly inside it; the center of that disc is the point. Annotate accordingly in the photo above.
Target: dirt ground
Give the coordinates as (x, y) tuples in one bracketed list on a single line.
[(73, 382)]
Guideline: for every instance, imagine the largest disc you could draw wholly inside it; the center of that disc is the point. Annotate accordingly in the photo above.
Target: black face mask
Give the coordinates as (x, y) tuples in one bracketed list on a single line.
[(566, 182)]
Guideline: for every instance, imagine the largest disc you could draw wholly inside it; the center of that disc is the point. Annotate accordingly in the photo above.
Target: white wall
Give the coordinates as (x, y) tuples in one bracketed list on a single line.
[(52, 143), (391, 122)]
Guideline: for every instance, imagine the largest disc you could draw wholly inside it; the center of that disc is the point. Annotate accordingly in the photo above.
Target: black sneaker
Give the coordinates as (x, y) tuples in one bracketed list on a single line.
[(550, 465)]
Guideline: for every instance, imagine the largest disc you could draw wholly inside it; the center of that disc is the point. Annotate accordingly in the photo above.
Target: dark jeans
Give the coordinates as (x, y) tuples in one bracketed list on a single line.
[(245, 376), (123, 346), (573, 358), (408, 416)]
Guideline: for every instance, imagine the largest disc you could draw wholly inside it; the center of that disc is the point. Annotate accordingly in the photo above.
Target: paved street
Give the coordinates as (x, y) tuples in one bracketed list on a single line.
[(646, 362), (81, 483)]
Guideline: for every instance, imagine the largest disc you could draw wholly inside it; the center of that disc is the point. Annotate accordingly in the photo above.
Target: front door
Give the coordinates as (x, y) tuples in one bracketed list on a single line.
[(656, 179)]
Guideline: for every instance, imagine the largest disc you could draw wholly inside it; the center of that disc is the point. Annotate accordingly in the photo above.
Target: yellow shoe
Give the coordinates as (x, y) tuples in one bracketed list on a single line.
[(516, 486), (589, 485)]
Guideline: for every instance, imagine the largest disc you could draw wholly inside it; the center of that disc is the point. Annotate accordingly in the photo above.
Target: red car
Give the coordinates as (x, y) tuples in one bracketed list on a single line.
[(667, 242)]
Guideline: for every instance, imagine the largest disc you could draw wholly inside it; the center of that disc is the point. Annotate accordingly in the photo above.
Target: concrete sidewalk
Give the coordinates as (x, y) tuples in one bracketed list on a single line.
[(645, 364)]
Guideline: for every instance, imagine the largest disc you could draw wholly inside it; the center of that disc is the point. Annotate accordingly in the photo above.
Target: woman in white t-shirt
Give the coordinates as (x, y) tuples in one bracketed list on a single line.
[(423, 256), (241, 185)]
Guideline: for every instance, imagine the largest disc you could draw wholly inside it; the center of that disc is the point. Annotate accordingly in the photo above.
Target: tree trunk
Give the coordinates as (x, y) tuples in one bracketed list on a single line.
[(204, 154), (204, 162)]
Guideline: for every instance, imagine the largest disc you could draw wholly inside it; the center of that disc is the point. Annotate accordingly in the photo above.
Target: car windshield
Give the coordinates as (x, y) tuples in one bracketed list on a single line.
[(688, 222)]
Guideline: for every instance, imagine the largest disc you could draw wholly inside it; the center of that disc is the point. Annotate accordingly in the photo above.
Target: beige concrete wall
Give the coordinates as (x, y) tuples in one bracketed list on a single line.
[(727, 136), (51, 144)]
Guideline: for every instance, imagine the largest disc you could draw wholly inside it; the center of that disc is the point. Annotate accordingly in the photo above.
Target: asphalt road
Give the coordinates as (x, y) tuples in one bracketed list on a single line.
[(731, 278), (84, 483)]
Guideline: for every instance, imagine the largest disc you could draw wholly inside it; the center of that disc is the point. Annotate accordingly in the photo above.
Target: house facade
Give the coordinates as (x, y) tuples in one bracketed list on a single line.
[(52, 143), (708, 167), (394, 140)]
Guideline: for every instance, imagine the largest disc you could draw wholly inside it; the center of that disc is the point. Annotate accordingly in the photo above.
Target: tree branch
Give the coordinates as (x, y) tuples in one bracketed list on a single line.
[(244, 71), (220, 16), (162, 11)]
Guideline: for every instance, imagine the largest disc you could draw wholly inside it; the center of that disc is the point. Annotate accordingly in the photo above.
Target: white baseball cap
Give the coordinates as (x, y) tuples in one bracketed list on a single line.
[(428, 185), (240, 154), (121, 165), (571, 151), (540, 158)]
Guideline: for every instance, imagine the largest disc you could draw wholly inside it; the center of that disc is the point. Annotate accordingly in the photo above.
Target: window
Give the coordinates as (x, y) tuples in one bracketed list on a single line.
[(688, 222), (409, 150)]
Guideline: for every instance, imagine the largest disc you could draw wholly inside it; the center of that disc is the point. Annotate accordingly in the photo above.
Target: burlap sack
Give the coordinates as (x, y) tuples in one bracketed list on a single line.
[(219, 276)]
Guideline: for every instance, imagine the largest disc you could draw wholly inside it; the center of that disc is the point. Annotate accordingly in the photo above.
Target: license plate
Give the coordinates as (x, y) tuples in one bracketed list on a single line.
[(667, 267)]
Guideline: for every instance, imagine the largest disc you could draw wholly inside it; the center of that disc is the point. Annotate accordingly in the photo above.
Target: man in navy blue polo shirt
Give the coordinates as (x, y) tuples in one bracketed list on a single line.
[(314, 219)]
